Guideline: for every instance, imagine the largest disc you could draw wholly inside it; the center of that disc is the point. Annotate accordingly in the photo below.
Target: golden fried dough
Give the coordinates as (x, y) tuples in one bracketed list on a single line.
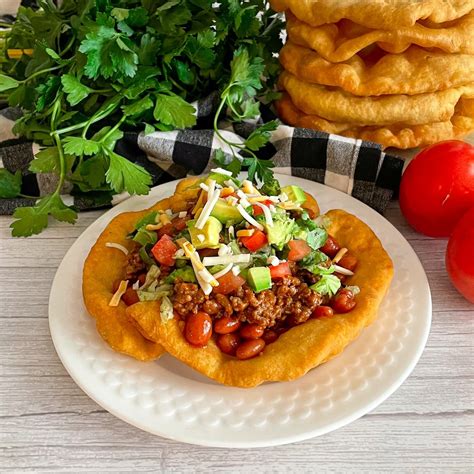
[(339, 106), (301, 348), (415, 71), (341, 41), (375, 13), (398, 136), (105, 265)]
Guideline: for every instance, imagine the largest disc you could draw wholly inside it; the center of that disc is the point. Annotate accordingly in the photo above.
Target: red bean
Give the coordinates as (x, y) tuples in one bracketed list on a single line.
[(228, 343), (270, 336), (226, 325), (344, 301), (130, 297), (252, 331), (331, 247), (250, 348), (198, 329), (322, 311), (349, 261)]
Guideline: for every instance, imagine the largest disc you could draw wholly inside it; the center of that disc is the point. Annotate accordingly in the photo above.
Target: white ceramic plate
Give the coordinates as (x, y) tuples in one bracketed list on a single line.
[(169, 399)]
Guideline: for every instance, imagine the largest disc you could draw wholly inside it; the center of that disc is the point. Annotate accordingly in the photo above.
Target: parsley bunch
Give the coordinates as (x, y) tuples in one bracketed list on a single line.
[(85, 72)]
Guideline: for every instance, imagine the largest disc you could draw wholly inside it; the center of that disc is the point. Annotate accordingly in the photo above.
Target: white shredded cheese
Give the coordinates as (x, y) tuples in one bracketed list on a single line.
[(206, 276), (182, 214), (154, 226), (179, 253), (136, 285), (249, 188), (249, 218), (169, 212), (224, 250), (221, 171), (231, 184), (207, 209), (343, 271), (114, 245), (225, 270), (235, 270), (339, 255), (226, 259), (267, 214), (231, 232), (115, 300), (204, 186), (201, 237), (232, 200), (273, 261), (283, 197)]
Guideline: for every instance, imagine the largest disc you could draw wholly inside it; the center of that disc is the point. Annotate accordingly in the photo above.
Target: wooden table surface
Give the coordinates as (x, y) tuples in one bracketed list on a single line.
[(48, 423)]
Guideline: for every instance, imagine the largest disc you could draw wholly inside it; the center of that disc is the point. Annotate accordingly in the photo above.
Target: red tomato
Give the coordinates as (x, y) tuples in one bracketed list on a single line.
[(280, 271), (298, 250), (460, 256), (164, 251), (228, 283), (256, 241), (437, 187), (257, 210)]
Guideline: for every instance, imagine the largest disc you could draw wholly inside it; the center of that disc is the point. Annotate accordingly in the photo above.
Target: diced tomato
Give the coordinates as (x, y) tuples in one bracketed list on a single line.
[(256, 241), (257, 210), (299, 249), (280, 271), (180, 223), (164, 251), (130, 297), (228, 283)]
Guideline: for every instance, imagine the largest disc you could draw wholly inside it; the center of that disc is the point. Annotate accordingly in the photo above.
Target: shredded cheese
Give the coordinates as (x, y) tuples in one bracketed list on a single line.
[(343, 271), (226, 259), (267, 214), (201, 237), (227, 192), (154, 226), (179, 253), (224, 250), (115, 300), (199, 203), (114, 245), (231, 232), (230, 184), (205, 187), (273, 261), (169, 212), (136, 285), (191, 253), (245, 232), (164, 219), (283, 197), (225, 270), (249, 218), (182, 214), (207, 209), (221, 171), (235, 270), (339, 255), (249, 188)]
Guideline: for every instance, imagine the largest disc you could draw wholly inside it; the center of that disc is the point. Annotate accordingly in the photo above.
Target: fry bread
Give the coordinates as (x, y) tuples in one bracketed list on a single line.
[(105, 265), (339, 106), (415, 71), (375, 13), (301, 348), (398, 136), (341, 41)]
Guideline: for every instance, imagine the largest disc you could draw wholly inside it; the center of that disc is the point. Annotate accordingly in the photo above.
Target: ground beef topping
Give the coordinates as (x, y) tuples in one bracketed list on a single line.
[(135, 266), (290, 300)]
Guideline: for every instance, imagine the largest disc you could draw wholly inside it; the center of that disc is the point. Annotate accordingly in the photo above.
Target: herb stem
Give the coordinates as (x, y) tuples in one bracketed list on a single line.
[(38, 73)]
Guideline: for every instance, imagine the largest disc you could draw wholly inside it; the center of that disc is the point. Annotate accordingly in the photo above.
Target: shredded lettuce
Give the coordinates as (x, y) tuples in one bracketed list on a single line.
[(166, 309), (152, 276), (316, 238), (148, 219), (327, 285)]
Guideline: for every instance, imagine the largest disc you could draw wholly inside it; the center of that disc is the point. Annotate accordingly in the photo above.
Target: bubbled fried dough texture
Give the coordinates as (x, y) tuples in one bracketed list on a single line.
[(105, 265), (341, 41), (301, 348), (398, 136), (415, 71), (388, 14), (340, 106)]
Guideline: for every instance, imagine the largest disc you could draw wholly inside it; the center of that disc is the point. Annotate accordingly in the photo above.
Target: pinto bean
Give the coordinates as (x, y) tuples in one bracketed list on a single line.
[(198, 329), (252, 331), (226, 325), (322, 311), (250, 348), (130, 297), (349, 261), (228, 343), (344, 301), (331, 247), (270, 336)]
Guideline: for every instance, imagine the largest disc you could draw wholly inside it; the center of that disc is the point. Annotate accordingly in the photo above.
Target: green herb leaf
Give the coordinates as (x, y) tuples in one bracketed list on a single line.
[(171, 109), (10, 184), (7, 83), (261, 135), (123, 175), (75, 90), (138, 107), (79, 146), (32, 220)]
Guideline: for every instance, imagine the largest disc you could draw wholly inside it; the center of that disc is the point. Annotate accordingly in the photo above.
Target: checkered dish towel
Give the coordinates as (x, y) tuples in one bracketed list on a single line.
[(352, 166)]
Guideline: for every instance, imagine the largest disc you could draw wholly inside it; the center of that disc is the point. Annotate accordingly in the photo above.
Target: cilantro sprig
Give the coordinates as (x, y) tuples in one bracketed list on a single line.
[(85, 72)]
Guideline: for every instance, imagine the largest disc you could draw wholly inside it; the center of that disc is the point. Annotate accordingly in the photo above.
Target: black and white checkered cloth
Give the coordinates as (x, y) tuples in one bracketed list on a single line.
[(355, 167)]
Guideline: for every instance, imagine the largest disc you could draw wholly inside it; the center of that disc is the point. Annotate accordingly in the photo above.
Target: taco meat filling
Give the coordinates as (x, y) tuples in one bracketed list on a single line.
[(238, 266)]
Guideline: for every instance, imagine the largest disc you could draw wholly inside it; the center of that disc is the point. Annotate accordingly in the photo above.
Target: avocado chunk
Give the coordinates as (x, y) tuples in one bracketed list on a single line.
[(294, 193), (185, 273), (206, 237), (282, 230), (259, 278), (226, 213)]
